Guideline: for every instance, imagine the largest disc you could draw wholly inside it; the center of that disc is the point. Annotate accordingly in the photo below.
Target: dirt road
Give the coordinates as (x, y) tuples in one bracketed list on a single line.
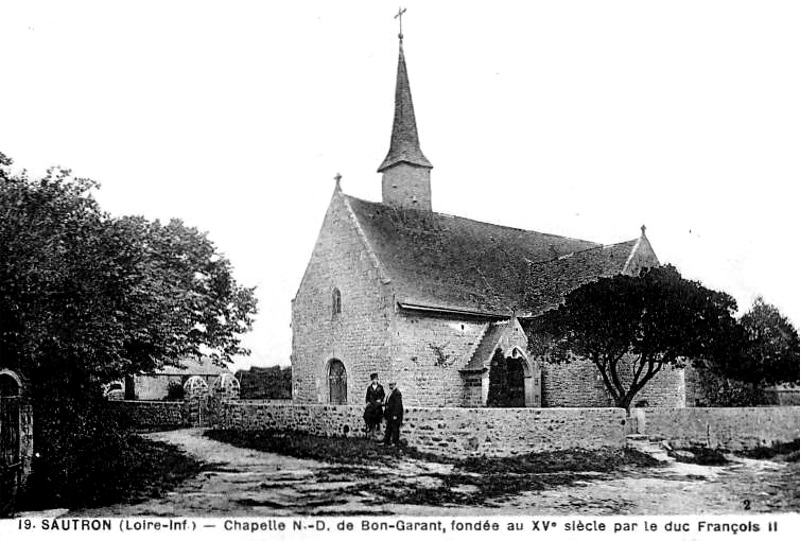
[(242, 482)]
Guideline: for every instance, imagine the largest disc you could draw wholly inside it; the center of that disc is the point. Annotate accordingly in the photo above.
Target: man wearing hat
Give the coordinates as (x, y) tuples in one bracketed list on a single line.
[(373, 410), (393, 413)]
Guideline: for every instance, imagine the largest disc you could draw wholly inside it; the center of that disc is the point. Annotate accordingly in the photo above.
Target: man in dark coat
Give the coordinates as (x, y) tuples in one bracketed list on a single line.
[(393, 413), (374, 408)]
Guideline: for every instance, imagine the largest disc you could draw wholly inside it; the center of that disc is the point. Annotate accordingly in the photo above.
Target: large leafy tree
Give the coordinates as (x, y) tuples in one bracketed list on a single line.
[(108, 296), (86, 298), (769, 354), (632, 327)]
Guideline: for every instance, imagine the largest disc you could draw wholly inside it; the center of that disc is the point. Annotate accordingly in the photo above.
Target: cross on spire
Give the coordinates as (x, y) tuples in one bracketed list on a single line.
[(399, 16)]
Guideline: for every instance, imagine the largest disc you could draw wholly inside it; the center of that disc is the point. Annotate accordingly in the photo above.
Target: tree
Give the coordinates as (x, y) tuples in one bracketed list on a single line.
[(270, 383), (630, 328), (109, 296), (87, 298), (769, 354)]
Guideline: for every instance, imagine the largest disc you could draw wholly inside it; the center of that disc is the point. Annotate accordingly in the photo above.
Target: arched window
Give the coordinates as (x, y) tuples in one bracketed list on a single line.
[(336, 302)]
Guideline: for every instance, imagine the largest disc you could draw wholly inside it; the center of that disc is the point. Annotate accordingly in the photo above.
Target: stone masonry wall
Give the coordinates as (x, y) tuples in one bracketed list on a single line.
[(455, 432), (357, 335), (153, 414), (427, 353), (406, 185), (727, 428), (579, 384)]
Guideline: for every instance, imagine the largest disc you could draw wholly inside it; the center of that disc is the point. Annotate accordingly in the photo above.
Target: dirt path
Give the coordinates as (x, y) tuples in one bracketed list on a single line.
[(744, 486), (242, 482)]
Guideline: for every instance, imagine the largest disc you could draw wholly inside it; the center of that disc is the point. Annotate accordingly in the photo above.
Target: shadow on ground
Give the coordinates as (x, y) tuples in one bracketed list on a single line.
[(358, 477)]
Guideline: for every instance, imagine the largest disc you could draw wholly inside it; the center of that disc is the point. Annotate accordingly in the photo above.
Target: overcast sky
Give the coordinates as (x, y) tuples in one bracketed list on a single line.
[(579, 118)]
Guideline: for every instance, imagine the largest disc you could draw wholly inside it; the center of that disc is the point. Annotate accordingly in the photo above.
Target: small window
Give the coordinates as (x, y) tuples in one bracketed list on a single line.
[(336, 302)]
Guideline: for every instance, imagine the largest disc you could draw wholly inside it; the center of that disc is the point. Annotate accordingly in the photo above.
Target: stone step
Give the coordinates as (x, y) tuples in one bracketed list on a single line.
[(652, 448)]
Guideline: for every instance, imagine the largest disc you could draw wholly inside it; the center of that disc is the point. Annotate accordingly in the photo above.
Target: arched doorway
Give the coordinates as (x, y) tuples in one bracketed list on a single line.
[(515, 381), (508, 376), (10, 459), (337, 382)]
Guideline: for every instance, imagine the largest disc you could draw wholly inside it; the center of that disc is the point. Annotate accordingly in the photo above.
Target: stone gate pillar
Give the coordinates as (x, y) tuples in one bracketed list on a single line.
[(196, 395), (223, 389), (16, 438)]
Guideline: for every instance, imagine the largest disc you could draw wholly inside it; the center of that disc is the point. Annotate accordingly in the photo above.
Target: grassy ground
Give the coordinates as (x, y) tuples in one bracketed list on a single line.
[(359, 451), (472, 481), (152, 468), (781, 451), (700, 455)]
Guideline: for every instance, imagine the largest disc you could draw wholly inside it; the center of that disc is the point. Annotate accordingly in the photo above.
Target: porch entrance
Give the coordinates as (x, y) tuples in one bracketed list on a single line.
[(515, 381), (507, 381)]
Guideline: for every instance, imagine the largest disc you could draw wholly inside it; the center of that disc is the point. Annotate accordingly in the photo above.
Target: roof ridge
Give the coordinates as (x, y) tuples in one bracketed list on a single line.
[(446, 215), (437, 261), (598, 247)]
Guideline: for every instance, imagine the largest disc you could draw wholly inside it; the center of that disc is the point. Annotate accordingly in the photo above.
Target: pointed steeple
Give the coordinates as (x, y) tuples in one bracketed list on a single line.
[(405, 172), (404, 145)]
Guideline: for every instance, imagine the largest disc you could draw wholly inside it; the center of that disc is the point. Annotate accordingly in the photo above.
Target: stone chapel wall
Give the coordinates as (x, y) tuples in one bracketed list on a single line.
[(427, 353), (356, 336), (579, 384)]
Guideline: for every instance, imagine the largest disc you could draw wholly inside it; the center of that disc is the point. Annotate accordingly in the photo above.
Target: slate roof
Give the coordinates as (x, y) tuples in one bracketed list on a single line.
[(454, 263)]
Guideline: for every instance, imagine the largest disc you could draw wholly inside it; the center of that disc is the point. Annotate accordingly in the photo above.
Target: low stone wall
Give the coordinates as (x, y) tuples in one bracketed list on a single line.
[(153, 413), (456, 432), (725, 428), (461, 432)]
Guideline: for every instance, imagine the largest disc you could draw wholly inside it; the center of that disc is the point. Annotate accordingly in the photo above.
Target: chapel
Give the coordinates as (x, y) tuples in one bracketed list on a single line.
[(431, 300)]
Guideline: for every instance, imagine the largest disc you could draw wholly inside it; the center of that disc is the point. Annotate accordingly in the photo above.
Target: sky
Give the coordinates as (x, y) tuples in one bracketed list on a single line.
[(579, 118)]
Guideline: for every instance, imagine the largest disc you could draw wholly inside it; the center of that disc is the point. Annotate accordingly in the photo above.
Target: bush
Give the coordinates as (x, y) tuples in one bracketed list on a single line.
[(270, 383), (147, 470), (85, 454), (81, 449), (714, 390), (175, 391)]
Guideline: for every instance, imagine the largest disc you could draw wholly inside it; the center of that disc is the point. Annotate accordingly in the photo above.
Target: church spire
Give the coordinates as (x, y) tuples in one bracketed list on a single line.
[(406, 172), (404, 145)]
